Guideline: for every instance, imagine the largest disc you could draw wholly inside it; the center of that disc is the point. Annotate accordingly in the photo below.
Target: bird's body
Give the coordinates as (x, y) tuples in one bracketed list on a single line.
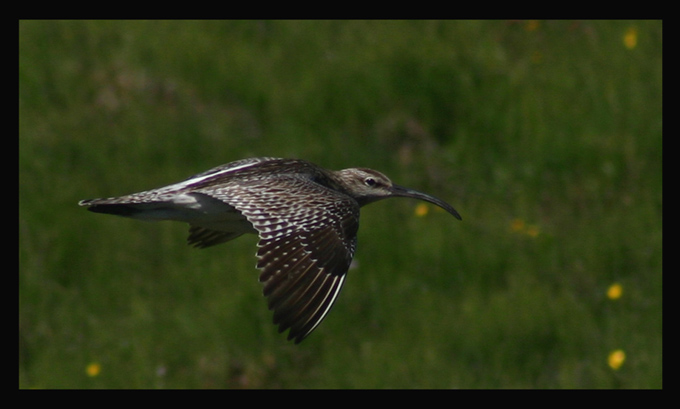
[(306, 217)]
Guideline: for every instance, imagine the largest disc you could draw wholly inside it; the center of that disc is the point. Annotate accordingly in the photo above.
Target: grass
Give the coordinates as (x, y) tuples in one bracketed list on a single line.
[(545, 136)]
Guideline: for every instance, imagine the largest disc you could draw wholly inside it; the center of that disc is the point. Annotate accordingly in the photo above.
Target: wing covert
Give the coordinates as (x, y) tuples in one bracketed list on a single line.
[(307, 241)]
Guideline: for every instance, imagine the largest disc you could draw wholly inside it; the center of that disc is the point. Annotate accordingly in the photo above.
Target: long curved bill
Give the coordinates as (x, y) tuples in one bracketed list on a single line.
[(406, 192)]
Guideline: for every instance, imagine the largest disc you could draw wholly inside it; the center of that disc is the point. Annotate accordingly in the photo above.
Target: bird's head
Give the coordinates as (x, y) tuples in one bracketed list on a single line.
[(368, 185)]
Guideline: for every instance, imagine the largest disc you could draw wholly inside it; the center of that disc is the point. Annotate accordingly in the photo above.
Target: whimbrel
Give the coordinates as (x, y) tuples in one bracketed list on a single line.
[(306, 217)]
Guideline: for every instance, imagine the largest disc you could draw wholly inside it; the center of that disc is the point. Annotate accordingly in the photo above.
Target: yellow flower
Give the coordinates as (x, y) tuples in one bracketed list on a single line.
[(517, 225), (532, 25), (616, 359), (422, 209), (615, 291), (630, 38), (532, 231), (93, 369)]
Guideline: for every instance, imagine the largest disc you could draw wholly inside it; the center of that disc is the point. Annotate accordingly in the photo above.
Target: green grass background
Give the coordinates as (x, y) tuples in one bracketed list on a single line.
[(545, 135)]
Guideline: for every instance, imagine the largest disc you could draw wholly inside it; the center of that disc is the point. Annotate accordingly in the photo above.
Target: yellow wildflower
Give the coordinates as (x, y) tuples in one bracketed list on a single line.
[(517, 225), (532, 25), (616, 359), (422, 209), (615, 291), (532, 231), (93, 369), (630, 38)]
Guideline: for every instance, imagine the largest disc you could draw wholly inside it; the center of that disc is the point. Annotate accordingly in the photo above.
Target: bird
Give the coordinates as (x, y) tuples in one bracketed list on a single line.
[(306, 217)]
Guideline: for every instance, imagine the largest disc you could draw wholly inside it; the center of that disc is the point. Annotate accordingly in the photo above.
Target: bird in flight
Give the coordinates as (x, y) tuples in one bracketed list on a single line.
[(306, 217)]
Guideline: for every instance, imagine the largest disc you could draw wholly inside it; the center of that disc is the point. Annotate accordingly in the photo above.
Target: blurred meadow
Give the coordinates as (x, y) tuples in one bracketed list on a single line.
[(545, 135)]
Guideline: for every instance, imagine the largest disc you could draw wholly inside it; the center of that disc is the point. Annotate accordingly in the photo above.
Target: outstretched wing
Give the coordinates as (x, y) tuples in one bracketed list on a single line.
[(307, 241)]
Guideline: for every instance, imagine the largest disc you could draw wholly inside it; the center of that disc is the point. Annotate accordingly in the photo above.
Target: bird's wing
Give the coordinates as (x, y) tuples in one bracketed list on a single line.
[(307, 241)]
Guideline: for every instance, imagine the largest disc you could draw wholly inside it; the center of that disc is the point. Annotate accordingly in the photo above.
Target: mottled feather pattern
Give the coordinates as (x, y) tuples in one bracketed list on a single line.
[(306, 217), (303, 248)]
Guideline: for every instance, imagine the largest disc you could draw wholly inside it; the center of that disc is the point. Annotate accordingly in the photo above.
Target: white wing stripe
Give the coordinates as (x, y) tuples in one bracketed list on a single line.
[(331, 296)]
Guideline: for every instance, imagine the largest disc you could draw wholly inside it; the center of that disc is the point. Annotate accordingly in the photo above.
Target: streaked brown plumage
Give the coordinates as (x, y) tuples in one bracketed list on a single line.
[(306, 217)]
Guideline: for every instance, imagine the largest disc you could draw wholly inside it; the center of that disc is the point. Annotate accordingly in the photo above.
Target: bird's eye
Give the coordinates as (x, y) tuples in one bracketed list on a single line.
[(370, 182)]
